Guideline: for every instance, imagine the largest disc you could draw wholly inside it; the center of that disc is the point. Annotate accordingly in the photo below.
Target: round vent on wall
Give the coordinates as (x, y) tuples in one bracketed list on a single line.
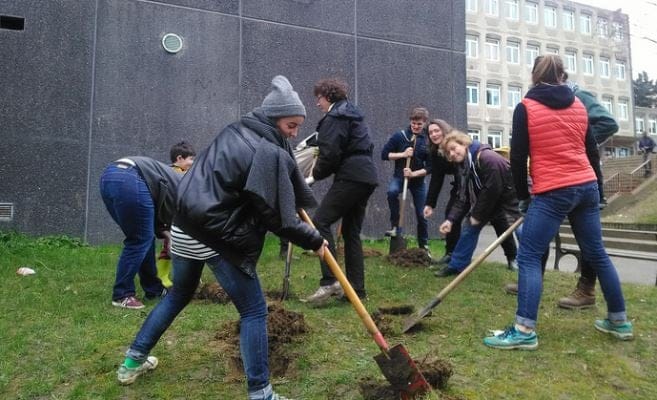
[(172, 43)]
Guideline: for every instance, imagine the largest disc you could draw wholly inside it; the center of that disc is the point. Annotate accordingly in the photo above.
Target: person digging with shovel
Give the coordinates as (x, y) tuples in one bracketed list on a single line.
[(244, 184), (345, 151), (405, 144)]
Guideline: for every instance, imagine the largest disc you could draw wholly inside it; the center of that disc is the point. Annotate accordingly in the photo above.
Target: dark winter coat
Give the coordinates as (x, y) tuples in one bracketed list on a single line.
[(439, 168), (345, 146), (400, 141), (485, 186), (162, 182), (243, 185)]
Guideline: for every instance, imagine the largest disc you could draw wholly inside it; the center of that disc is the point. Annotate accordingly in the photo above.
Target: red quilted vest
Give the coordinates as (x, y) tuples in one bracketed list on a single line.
[(557, 146)]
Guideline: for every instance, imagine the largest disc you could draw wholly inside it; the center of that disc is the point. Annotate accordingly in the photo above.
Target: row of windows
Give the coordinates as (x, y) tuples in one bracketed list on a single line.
[(530, 14), (641, 126), (493, 137), (514, 95), (492, 49)]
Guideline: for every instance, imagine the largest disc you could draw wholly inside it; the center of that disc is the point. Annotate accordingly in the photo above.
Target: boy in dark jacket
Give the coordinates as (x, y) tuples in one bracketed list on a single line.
[(409, 147), (345, 151)]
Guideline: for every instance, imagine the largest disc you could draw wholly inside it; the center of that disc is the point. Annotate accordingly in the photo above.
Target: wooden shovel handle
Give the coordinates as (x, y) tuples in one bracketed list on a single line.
[(349, 292), (405, 189)]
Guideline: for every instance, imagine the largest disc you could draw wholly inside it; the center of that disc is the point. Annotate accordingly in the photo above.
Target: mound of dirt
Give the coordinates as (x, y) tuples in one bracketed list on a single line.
[(435, 370), (283, 327), (213, 292), (409, 258)]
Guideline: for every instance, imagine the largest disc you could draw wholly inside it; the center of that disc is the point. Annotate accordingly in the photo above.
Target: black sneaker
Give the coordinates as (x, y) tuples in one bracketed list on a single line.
[(444, 260), (445, 272)]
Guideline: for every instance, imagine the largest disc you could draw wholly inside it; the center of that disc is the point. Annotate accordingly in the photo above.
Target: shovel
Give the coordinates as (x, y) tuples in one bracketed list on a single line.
[(286, 278), (414, 319), (398, 242), (396, 364)]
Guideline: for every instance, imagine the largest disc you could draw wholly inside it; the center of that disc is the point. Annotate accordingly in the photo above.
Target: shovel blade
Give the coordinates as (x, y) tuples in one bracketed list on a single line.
[(401, 371), (397, 243)]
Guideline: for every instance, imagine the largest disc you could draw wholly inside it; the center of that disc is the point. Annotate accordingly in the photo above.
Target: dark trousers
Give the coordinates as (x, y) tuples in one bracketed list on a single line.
[(346, 200)]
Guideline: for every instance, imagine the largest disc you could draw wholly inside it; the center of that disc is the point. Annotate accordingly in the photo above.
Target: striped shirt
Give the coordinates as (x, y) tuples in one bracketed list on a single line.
[(186, 246)]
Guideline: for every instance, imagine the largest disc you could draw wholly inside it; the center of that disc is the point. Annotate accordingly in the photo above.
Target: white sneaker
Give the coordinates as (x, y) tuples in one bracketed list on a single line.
[(324, 293)]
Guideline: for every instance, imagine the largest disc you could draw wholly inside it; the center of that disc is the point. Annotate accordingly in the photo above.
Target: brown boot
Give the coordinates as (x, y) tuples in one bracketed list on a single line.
[(582, 297)]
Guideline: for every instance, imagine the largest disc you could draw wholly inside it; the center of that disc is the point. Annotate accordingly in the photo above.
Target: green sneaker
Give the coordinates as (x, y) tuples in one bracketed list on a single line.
[(620, 331), (128, 375), (511, 338)]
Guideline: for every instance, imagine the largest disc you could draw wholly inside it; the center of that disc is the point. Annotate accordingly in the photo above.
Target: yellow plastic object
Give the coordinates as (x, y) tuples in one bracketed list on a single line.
[(164, 271)]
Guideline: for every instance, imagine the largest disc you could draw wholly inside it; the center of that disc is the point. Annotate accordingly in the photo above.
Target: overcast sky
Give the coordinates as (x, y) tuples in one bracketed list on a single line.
[(643, 31)]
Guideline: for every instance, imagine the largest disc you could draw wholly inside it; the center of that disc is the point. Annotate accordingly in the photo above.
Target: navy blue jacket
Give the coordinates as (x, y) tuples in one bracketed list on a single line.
[(400, 141)]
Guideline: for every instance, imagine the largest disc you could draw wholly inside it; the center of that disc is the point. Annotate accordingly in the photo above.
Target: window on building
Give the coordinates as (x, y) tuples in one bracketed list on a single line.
[(623, 113), (639, 124), (552, 50), (471, 5), (472, 93), (604, 67), (587, 64), (550, 17), (475, 134), (492, 49), (513, 52), (512, 9), (618, 31), (603, 27), (531, 13), (652, 126), (494, 138), (493, 95), (568, 20), (570, 61), (513, 96), (620, 70), (608, 103), (585, 24), (531, 52), (471, 46), (492, 7)]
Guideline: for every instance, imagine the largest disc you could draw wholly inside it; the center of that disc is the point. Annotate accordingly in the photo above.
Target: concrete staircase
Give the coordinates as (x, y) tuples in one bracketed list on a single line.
[(624, 175)]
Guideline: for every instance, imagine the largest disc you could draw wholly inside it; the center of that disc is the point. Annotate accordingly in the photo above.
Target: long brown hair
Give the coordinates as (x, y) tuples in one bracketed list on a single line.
[(444, 127), (548, 69)]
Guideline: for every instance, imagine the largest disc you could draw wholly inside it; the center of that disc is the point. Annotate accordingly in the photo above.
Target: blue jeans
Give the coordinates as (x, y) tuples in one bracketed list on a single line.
[(418, 190), (130, 204), (245, 293), (545, 214)]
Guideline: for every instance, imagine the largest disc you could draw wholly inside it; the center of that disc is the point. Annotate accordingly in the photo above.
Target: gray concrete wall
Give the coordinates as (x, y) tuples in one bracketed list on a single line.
[(86, 82)]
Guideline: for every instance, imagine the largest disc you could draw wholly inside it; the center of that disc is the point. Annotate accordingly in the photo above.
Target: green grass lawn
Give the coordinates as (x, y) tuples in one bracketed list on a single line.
[(61, 339)]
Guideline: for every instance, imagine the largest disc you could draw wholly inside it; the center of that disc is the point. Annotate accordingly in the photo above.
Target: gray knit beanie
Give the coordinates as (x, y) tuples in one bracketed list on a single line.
[(282, 101)]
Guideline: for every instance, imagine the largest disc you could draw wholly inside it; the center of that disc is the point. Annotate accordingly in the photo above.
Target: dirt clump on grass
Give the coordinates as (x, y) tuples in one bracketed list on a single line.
[(283, 327), (409, 258), (212, 291)]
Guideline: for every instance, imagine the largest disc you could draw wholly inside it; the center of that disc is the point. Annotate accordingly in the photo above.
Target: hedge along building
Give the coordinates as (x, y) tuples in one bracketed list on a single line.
[(87, 82)]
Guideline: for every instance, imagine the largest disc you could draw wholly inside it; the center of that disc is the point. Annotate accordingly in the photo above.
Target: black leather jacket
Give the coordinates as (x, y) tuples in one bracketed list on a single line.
[(215, 206)]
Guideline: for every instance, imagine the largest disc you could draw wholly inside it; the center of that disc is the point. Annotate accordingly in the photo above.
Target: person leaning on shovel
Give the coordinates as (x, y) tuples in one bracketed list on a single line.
[(409, 143), (226, 201), (345, 151)]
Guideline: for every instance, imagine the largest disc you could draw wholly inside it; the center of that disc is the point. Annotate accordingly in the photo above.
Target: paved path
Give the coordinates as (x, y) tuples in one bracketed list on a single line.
[(629, 271)]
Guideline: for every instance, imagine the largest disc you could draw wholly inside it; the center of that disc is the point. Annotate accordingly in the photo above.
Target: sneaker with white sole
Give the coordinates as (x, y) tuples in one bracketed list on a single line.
[(324, 293), (511, 338), (622, 331), (128, 375), (130, 302)]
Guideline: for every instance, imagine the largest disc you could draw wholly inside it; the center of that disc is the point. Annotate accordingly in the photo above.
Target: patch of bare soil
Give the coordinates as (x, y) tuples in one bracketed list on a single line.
[(409, 258), (212, 291), (283, 327)]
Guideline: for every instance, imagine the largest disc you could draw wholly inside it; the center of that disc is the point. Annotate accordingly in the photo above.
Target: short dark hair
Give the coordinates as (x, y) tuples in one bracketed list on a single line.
[(419, 113), (182, 149), (333, 89)]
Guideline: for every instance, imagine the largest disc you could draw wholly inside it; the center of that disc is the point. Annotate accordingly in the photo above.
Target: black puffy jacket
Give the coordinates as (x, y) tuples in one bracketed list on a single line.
[(215, 206)]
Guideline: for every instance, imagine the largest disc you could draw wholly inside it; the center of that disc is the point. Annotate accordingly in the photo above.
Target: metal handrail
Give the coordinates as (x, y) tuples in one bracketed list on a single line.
[(608, 184)]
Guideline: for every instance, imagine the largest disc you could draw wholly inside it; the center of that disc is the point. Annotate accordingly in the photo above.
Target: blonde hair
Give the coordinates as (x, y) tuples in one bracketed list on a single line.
[(456, 136)]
